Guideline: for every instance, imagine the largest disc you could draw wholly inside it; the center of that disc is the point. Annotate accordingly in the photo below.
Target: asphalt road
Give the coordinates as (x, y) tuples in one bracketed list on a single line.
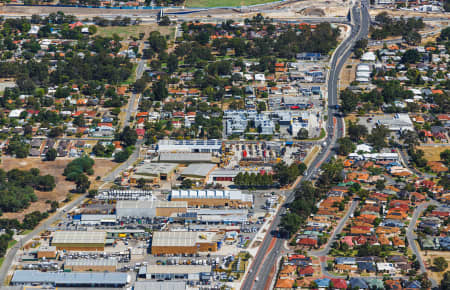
[(132, 101), (337, 231), (411, 236), (263, 263), (10, 256)]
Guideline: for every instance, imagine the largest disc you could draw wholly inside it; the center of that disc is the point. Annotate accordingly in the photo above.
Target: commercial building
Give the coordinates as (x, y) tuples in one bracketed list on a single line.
[(198, 171), (182, 242), (120, 194), (79, 240), (399, 123), (179, 272), (153, 172), (95, 265), (149, 208), (194, 146), (160, 285), (70, 279), (47, 252), (228, 198), (98, 219), (185, 157)]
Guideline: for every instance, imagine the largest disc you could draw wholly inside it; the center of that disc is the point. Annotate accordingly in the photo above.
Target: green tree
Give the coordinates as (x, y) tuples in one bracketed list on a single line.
[(378, 137), (349, 100), (172, 63), (411, 56), (302, 134), (82, 182), (440, 264), (186, 183), (380, 185), (356, 131), (290, 223), (128, 136), (51, 154), (346, 146), (445, 156)]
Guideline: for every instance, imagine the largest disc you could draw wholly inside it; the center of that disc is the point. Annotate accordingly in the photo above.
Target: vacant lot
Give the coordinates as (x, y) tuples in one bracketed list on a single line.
[(126, 32), (429, 256), (54, 168), (224, 3), (432, 153)]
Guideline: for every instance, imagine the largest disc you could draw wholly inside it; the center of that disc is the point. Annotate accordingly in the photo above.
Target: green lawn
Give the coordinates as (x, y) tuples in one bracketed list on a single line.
[(11, 243), (224, 3)]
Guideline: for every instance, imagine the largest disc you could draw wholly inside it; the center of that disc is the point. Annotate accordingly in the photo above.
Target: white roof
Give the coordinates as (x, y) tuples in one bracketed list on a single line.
[(220, 194), (15, 113), (364, 148), (78, 237), (368, 56), (178, 269)]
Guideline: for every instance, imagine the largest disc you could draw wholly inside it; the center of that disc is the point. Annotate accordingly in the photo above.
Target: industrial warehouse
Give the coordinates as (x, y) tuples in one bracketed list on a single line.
[(149, 208), (79, 241), (95, 265), (215, 198), (182, 242), (193, 146), (70, 279)]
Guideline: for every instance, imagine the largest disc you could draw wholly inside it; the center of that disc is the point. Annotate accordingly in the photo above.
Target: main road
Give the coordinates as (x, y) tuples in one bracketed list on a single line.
[(260, 270)]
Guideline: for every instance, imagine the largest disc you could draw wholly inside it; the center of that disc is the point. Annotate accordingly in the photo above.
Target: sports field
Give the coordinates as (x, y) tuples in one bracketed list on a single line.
[(224, 3)]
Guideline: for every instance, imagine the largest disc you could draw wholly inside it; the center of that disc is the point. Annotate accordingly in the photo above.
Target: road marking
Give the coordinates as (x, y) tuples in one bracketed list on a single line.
[(269, 249)]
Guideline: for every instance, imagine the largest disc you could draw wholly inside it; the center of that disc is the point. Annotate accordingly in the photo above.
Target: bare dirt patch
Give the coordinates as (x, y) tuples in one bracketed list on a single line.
[(127, 32), (56, 169), (432, 153), (348, 73), (428, 257)]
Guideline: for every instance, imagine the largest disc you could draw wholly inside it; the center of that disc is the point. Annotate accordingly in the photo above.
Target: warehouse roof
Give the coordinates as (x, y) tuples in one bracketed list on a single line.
[(174, 239), (198, 169), (155, 169), (78, 237), (189, 145), (185, 157), (178, 269), (149, 203), (91, 262), (212, 194), (154, 285), (68, 278)]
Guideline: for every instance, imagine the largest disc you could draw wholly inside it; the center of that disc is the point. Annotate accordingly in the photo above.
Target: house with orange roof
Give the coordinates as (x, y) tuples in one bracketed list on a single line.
[(121, 90), (383, 240), (343, 268), (288, 270), (416, 197), (396, 215), (398, 242), (356, 230), (388, 231), (285, 283)]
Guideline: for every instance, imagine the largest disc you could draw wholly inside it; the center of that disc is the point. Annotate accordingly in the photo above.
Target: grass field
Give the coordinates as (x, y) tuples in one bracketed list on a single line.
[(56, 169), (224, 3), (126, 32), (432, 153)]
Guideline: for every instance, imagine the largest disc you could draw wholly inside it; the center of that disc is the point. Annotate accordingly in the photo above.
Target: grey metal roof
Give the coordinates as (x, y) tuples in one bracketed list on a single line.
[(166, 285), (155, 169), (185, 156), (78, 237), (199, 169), (178, 269), (174, 239), (91, 262), (149, 203), (69, 278)]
